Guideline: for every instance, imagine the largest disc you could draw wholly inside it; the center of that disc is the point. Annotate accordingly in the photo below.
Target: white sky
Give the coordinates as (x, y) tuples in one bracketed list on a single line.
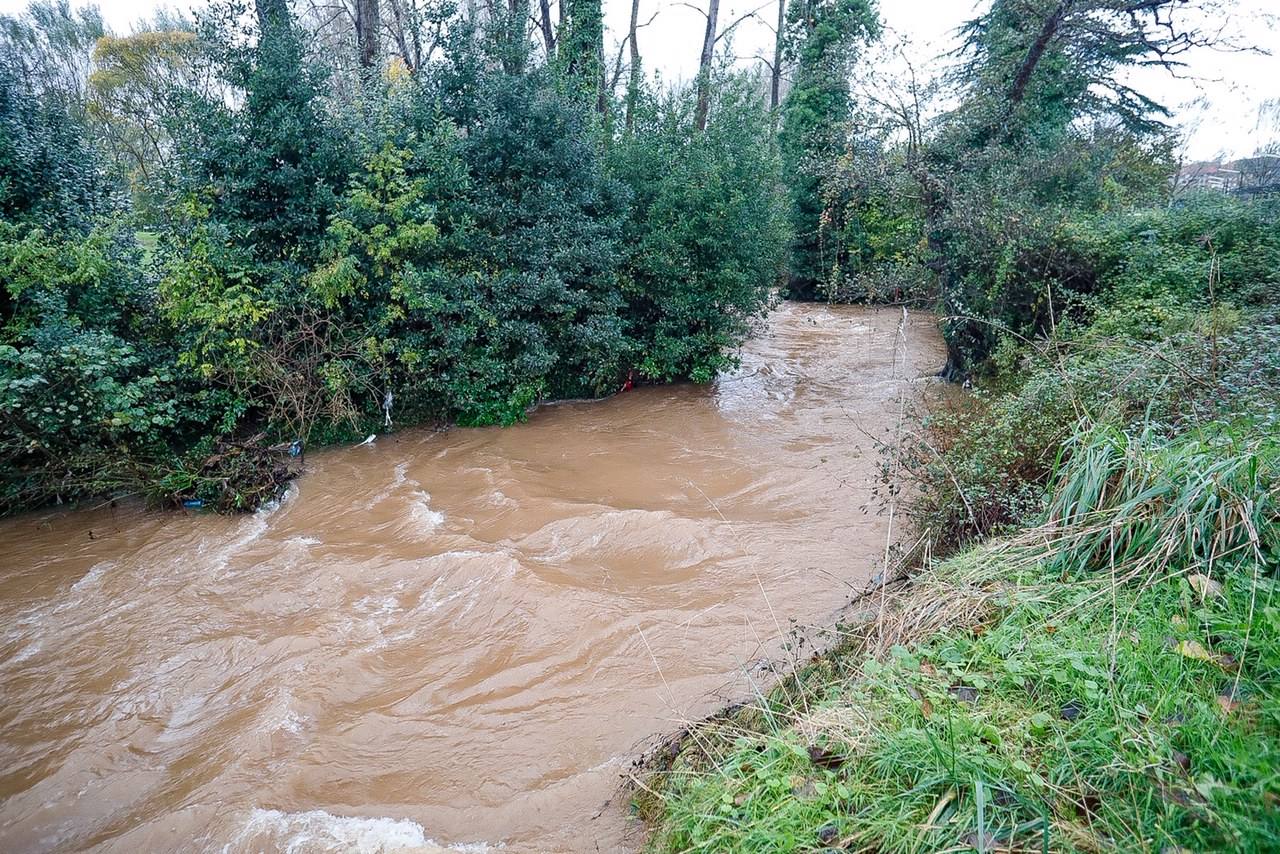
[(1218, 107)]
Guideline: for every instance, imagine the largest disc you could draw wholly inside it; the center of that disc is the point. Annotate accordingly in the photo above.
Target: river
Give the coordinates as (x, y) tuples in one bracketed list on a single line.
[(459, 638)]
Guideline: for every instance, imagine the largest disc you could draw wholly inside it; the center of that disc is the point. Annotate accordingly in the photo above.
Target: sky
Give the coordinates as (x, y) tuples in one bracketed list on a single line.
[(1216, 104)]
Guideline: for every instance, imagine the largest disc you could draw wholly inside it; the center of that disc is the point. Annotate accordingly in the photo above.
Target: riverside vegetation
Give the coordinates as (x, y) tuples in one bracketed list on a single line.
[(216, 238), (1082, 652), (223, 235)]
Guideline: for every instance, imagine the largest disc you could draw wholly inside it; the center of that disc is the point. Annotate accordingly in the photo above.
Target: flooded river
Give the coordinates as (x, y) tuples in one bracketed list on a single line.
[(457, 638)]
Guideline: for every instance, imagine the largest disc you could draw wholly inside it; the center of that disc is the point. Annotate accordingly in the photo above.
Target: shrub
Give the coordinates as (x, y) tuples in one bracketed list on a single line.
[(705, 234), (985, 469)]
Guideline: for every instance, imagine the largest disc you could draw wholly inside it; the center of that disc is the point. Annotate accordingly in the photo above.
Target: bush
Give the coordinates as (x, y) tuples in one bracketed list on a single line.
[(984, 469), (872, 231), (705, 234), (459, 243), (1171, 252), (1000, 229)]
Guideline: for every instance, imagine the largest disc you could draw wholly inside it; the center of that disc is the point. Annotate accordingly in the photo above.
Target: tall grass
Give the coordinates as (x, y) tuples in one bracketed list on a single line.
[(1143, 503), (1067, 690)]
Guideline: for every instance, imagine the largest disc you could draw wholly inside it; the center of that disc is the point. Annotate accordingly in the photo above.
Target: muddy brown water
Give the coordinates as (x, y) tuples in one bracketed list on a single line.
[(457, 638)]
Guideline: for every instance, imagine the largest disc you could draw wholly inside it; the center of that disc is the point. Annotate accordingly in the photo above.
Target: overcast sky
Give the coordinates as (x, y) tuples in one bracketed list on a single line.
[(1232, 84)]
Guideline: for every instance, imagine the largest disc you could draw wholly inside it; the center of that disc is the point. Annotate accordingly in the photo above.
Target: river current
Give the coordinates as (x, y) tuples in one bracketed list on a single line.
[(459, 638)]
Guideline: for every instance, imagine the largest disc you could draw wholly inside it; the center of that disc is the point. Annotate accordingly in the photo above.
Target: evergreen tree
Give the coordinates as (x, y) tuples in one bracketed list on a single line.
[(821, 39)]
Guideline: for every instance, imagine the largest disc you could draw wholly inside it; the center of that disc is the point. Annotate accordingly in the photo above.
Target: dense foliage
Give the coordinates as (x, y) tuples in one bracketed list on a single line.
[(821, 38), (296, 256), (1180, 332)]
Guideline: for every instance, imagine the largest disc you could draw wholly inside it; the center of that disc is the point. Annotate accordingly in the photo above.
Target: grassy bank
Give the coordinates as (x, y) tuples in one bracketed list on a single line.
[(1069, 689), (1094, 664)]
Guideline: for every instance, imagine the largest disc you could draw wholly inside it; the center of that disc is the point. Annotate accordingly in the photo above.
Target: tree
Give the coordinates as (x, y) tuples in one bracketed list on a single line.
[(548, 28), (50, 45), (131, 91), (367, 31), (1045, 126), (822, 37), (710, 38), (775, 68), (704, 64), (581, 47), (633, 82), (705, 235), (1033, 66)]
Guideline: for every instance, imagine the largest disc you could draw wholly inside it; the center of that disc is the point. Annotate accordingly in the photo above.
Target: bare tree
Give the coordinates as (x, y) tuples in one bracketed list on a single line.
[(704, 64), (888, 84), (634, 83), (775, 71), (416, 32), (548, 29), (403, 34), (709, 40)]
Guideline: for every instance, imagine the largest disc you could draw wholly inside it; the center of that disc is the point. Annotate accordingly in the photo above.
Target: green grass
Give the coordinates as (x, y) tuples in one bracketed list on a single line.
[(1105, 681)]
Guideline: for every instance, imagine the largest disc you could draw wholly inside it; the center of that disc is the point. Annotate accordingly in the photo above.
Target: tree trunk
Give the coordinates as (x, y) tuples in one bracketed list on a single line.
[(367, 24), (582, 48), (704, 64), (398, 31), (548, 31), (1036, 52), (633, 83), (775, 81)]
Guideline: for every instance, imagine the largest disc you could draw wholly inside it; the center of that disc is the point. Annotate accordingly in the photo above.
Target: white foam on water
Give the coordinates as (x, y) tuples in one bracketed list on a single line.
[(317, 831), (26, 652), (249, 531), (290, 722), (501, 499), (185, 712), (290, 492), (91, 578), (420, 511), (380, 612), (378, 606), (282, 717), (399, 479), (446, 590)]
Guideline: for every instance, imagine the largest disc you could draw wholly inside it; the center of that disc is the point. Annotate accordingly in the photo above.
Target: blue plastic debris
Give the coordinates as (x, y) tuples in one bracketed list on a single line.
[(193, 503)]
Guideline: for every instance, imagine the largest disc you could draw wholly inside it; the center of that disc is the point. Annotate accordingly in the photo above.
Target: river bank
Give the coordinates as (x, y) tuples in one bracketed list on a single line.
[(1095, 665), (461, 636)]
